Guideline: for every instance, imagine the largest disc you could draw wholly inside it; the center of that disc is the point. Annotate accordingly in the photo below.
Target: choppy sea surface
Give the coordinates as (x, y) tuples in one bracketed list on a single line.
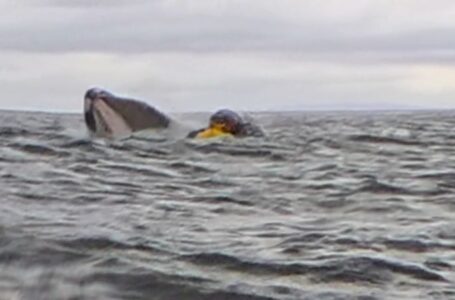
[(337, 205)]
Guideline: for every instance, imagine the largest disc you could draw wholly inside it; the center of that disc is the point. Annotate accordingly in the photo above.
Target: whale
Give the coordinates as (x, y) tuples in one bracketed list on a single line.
[(109, 116)]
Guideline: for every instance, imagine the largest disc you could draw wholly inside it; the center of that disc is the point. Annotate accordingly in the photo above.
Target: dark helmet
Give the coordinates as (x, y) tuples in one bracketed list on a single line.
[(230, 120)]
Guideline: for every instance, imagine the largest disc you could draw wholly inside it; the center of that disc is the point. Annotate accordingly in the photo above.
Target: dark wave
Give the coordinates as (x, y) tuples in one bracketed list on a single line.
[(351, 269), (385, 140), (165, 287), (239, 151), (376, 187), (39, 150), (11, 132)]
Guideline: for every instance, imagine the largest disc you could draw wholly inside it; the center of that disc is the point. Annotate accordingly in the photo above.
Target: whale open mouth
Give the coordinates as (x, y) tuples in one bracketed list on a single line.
[(110, 116)]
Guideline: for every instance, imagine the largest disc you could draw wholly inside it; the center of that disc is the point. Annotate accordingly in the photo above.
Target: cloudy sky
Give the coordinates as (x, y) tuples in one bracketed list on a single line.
[(192, 55)]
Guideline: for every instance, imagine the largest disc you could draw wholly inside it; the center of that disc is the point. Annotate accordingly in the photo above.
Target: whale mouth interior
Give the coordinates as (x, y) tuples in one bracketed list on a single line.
[(102, 120)]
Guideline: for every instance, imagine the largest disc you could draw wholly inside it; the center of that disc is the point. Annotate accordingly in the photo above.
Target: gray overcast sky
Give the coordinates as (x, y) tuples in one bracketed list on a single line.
[(244, 54)]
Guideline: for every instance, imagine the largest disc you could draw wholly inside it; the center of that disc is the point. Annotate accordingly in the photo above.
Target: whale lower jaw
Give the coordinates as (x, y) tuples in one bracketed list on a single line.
[(103, 121)]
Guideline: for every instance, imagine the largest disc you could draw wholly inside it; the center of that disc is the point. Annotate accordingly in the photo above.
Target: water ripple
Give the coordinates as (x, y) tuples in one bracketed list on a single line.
[(329, 206)]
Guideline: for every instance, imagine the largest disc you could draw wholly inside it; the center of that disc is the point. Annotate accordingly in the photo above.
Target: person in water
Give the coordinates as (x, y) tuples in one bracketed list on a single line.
[(107, 115), (226, 122)]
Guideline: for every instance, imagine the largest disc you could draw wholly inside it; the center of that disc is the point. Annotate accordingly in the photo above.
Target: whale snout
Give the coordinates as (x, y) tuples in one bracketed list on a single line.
[(95, 93), (91, 95)]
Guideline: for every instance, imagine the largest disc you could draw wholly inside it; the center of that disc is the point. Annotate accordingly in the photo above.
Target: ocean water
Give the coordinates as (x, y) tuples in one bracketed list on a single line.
[(329, 206)]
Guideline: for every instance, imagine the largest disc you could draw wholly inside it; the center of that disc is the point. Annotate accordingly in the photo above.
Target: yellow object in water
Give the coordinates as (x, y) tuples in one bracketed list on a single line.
[(212, 132)]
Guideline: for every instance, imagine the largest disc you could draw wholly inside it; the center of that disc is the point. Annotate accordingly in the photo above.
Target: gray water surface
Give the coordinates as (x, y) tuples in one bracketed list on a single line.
[(328, 206)]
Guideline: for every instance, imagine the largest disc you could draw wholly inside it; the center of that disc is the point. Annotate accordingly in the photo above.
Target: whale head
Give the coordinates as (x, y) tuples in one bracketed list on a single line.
[(111, 116)]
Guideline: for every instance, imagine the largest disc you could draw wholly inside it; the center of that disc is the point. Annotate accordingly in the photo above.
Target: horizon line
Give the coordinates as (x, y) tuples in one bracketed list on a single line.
[(300, 110)]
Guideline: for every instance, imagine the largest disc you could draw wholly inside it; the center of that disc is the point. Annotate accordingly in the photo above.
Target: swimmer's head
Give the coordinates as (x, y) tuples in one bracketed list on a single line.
[(222, 123)]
